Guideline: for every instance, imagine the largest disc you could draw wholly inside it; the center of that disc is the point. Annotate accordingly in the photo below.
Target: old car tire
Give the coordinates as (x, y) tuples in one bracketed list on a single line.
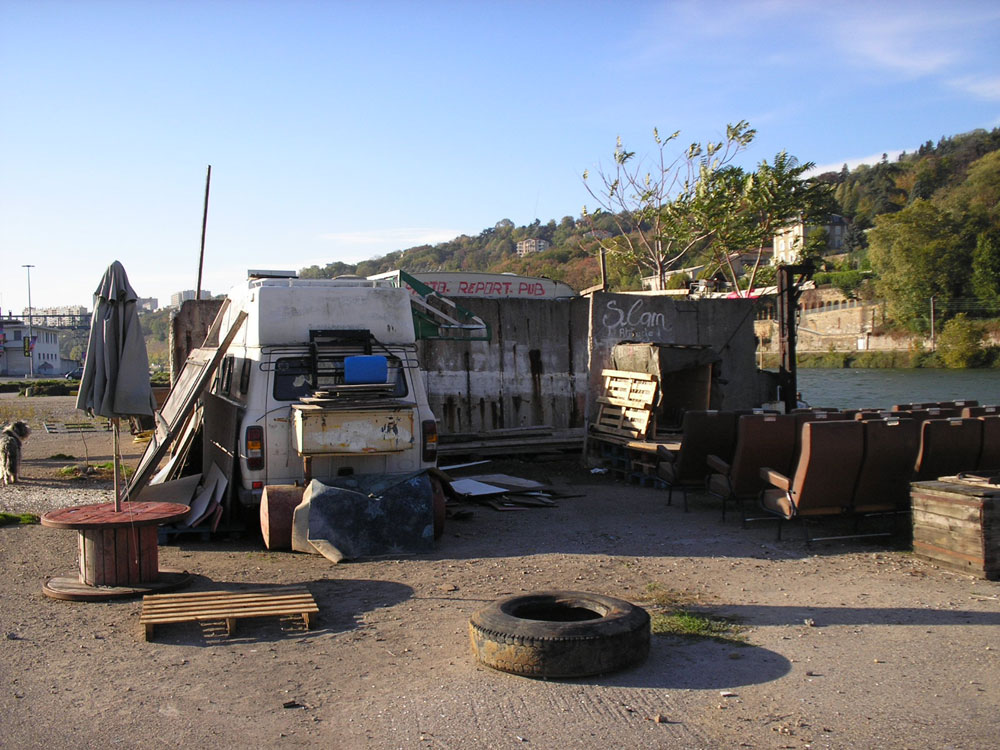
[(560, 634)]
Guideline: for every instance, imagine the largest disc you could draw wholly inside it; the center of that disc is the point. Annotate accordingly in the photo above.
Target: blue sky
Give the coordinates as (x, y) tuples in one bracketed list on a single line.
[(345, 130)]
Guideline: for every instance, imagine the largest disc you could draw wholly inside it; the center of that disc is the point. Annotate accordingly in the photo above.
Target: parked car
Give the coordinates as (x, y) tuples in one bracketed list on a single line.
[(74, 374)]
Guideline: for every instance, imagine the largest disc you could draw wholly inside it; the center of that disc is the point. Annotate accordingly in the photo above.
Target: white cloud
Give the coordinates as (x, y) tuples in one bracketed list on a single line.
[(905, 48), (981, 86), (854, 162), (915, 39)]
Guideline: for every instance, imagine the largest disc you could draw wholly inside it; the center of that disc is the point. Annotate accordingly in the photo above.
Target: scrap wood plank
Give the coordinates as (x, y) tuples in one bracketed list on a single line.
[(159, 609)]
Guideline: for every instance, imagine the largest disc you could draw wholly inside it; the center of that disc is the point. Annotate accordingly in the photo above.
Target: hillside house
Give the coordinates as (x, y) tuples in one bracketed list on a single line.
[(789, 242), (534, 245)]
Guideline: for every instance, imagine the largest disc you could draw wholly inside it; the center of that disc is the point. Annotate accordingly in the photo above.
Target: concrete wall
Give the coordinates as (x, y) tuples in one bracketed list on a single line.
[(188, 328), (725, 325), (835, 325), (533, 371), (544, 355)]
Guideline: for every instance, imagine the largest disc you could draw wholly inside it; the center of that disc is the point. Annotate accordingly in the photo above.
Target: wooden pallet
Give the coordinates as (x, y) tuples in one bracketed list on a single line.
[(634, 389), (160, 609), (626, 408), (60, 428)]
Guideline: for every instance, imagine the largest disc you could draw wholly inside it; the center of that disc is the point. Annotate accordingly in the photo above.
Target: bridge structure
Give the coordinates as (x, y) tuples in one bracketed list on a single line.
[(63, 321)]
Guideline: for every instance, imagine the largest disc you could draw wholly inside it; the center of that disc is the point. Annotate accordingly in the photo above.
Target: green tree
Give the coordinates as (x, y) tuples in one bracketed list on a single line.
[(986, 270), (977, 198), (742, 211), (917, 254), (854, 239), (678, 281), (960, 344), (817, 244)]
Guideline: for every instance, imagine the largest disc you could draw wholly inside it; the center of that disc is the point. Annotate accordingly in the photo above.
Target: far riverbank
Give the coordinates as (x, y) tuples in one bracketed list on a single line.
[(847, 388), (872, 360)]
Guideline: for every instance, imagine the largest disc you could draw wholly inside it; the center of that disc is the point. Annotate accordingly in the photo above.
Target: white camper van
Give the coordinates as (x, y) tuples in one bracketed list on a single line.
[(320, 381)]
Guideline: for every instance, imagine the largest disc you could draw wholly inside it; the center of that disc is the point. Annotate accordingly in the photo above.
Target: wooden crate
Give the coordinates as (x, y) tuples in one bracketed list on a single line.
[(957, 525)]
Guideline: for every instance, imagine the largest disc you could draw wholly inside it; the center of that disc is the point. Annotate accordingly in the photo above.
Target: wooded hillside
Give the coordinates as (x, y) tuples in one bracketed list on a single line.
[(959, 177)]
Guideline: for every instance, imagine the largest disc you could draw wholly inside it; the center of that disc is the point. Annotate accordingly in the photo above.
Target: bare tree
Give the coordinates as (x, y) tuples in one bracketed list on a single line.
[(656, 209)]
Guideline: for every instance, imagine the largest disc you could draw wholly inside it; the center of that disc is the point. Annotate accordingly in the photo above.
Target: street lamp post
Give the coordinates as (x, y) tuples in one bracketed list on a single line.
[(31, 351)]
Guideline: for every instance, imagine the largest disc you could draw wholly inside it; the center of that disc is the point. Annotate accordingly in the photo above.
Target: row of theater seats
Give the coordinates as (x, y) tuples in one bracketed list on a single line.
[(824, 462)]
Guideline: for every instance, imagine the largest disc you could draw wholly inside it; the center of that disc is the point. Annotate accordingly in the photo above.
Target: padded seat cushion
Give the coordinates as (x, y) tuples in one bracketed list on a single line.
[(718, 484), (777, 502)]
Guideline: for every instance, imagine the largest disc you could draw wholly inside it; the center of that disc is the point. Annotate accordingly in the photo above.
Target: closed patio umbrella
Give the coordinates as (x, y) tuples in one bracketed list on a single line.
[(115, 380)]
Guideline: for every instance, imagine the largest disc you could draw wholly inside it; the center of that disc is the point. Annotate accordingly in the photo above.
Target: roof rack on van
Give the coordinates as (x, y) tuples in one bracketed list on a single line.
[(260, 273)]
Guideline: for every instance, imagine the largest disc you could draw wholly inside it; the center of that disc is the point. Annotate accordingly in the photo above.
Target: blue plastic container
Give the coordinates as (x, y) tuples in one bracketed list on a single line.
[(365, 368)]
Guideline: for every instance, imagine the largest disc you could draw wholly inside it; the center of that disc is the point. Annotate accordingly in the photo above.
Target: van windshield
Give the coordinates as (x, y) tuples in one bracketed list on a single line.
[(294, 376)]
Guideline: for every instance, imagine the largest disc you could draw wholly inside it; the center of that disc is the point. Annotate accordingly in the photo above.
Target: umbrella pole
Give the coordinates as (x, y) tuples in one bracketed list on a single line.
[(117, 458)]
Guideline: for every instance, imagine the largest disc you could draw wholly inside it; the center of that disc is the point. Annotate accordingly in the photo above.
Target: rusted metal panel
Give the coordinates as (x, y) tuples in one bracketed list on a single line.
[(320, 431)]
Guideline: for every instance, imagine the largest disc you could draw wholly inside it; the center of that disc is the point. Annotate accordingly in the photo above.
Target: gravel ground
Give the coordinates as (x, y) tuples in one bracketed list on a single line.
[(844, 646), (47, 455)]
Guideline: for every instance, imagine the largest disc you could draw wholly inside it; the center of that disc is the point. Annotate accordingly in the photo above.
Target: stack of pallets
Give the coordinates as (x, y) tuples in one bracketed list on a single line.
[(626, 418)]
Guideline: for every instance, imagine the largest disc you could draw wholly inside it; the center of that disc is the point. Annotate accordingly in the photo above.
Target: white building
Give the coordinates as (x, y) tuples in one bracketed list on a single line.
[(789, 242), (44, 354), (534, 245), (63, 315)]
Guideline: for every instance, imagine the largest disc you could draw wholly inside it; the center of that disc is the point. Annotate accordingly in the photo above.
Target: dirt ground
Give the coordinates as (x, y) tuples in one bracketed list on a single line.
[(846, 645)]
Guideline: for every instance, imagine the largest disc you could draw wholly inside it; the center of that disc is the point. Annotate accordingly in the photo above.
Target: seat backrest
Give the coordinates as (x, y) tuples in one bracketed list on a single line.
[(960, 403), (828, 463), (948, 446), (704, 433), (761, 440), (980, 411), (880, 414), (869, 410), (989, 455), (891, 447), (944, 411), (812, 416)]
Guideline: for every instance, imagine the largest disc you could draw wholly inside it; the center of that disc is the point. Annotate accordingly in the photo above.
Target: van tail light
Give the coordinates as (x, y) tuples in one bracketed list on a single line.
[(429, 428), (255, 447)]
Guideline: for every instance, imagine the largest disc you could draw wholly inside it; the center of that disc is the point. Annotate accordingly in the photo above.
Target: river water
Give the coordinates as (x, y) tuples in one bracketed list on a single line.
[(858, 388)]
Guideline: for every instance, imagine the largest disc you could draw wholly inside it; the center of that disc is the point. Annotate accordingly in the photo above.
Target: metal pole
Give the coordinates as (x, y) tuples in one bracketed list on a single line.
[(31, 349), (932, 324), (117, 456), (204, 224), (787, 304)]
